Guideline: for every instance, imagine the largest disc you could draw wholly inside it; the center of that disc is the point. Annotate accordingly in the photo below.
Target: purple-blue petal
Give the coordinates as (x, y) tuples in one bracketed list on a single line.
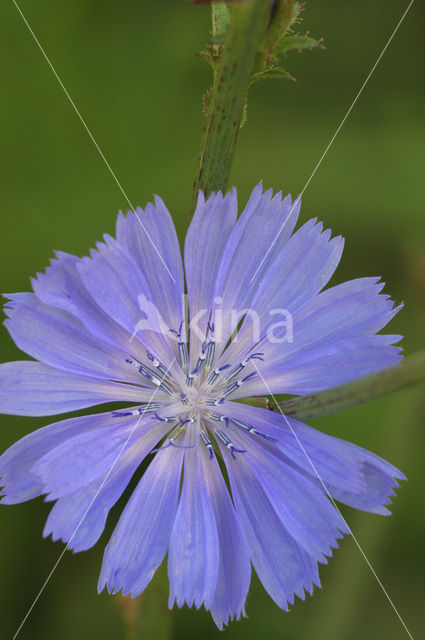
[(142, 535), (260, 234), (120, 288), (35, 389), (82, 458), (352, 309), (16, 462), (194, 546), (350, 474), (283, 567), (206, 239), (302, 506), (58, 339), (234, 568), (78, 518), (150, 238), (327, 366), (61, 286)]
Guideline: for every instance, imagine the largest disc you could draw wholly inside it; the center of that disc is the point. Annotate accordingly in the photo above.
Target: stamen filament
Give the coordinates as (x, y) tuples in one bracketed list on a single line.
[(182, 346), (225, 440), (242, 365), (250, 429), (238, 383), (214, 374), (207, 443), (146, 408)]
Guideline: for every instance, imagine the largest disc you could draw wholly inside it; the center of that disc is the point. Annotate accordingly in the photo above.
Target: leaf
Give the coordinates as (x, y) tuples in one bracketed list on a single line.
[(296, 11), (298, 42), (410, 372), (211, 55), (270, 73)]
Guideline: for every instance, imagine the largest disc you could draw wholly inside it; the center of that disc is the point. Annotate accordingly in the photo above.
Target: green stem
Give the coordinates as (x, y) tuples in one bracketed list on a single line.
[(147, 617), (410, 372), (248, 21), (283, 16), (219, 17)]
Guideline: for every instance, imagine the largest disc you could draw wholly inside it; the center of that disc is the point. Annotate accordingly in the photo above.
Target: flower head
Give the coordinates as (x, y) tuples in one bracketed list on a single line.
[(228, 484)]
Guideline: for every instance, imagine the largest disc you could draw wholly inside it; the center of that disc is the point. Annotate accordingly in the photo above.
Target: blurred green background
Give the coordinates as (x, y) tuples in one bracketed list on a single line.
[(131, 69)]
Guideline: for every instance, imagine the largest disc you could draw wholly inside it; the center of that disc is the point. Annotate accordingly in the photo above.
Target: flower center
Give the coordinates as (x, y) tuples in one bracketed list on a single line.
[(192, 399)]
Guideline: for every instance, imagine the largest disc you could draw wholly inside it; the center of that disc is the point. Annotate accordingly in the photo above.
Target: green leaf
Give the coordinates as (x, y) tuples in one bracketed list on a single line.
[(296, 11), (410, 372), (206, 55), (270, 73), (298, 42)]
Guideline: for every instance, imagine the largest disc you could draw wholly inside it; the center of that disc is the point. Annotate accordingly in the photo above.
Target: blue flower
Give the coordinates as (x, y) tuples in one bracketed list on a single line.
[(229, 484)]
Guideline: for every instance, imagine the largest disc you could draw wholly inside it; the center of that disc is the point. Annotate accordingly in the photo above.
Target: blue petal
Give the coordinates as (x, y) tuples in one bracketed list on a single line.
[(206, 238), (302, 506), (15, 463), (79, 517), (60, 283), (353, 308), (349, 473), (34, 389), (323, 367), (349, 310), (150, 238), (300, 270), (58, 339), (234, 569), (76, 462), (328, 455), (303, 267), (379, 478), (119, 287), (61, 286), (258, 237), (114, 280), (282, 565), (194, 546), (141, 538)]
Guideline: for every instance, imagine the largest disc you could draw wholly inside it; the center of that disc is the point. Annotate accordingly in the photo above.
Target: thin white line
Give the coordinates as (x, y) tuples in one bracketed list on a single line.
[(86, 512), (336, 133), (91, 137), (335, 505)]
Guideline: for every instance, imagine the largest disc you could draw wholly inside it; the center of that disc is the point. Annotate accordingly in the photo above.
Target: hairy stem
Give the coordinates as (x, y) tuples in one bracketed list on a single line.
[(248, 21)]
